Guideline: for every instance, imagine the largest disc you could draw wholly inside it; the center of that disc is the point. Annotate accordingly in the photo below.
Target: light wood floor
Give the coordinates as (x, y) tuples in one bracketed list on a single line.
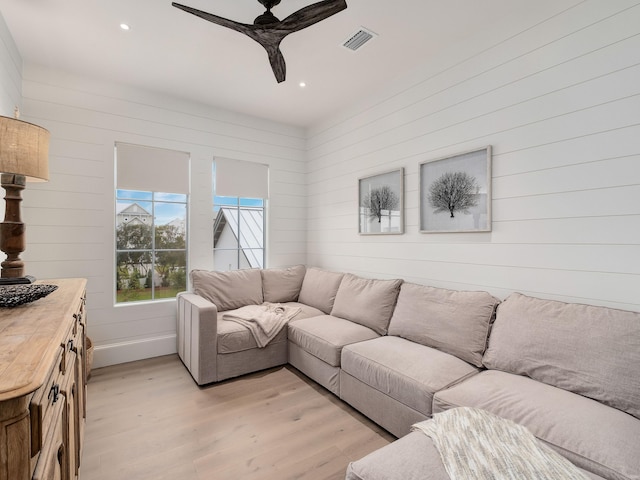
[(149, 420)]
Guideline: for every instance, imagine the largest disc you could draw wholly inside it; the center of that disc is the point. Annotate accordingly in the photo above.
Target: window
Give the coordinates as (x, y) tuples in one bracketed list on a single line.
[(238, 233), (151, 253), (239, 208), (150, 223)]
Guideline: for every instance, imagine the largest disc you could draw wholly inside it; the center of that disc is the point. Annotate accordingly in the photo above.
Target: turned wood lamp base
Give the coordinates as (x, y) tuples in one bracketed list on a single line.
[(24, 150), (12, 240)]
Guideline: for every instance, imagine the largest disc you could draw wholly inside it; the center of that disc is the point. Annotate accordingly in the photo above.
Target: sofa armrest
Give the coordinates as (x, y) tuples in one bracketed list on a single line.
[(197, 336)]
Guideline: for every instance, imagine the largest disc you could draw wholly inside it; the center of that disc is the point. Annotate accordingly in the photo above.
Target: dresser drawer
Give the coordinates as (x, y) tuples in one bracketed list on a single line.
[(52, 460), (43, 402)]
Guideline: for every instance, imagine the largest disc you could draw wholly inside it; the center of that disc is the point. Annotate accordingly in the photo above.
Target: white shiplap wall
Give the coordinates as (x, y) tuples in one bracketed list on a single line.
[(10, 74), (70, 219), (559, 101)]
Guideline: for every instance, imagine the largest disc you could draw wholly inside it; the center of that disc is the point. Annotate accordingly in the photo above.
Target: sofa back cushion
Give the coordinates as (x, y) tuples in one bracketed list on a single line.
[(319, 288), (282, 284), (455, 322), (592, 351), (366, 301), (228, 290)]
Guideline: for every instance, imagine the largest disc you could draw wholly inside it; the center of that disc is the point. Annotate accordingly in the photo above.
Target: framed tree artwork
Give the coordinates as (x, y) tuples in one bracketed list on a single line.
[(455, 193), (381, 203)]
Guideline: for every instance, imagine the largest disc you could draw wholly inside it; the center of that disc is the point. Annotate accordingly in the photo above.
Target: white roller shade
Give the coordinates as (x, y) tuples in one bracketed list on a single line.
[(236, 178), (151, 169)]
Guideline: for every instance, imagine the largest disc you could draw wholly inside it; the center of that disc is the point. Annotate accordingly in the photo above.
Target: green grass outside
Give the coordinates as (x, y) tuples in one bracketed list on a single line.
[(123, 296)]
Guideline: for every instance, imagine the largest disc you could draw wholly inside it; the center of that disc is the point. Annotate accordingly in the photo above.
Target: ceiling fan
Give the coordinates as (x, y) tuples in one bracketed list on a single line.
[(268, 31)]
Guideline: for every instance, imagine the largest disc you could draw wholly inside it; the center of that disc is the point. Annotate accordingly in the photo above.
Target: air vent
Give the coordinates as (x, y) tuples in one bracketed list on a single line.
[(358, 39)]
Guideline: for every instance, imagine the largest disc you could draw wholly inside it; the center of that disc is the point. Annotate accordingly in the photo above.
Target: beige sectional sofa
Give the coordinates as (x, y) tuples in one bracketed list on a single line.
[(399, 352)]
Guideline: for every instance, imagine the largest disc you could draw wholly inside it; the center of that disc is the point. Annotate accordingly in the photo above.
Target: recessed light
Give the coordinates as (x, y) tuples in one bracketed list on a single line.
[(302, 84), (124, 26)]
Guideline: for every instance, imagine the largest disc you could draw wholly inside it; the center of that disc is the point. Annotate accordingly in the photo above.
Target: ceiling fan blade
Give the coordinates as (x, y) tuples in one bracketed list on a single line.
[(311, 14), (278, 64), (237, 26)]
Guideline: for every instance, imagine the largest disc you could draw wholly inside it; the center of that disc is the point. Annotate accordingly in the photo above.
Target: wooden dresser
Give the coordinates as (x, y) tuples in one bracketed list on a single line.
[(43, 385)]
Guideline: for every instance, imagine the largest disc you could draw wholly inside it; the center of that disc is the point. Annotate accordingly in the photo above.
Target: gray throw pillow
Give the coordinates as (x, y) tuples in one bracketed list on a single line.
[(228, 290), (282, 284), (319, 288), (455, 322), (368, 302)]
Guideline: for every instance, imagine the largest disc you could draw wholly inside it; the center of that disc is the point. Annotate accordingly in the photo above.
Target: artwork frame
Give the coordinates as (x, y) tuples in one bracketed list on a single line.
[(469, 175), (375, 189)]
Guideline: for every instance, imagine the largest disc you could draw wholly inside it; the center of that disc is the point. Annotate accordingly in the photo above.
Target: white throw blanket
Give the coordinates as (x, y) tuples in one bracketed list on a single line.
[(475, 444), (263, 321)]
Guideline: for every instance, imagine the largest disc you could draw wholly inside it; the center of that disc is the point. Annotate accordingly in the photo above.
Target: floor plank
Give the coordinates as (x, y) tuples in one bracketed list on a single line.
[(149, 420)]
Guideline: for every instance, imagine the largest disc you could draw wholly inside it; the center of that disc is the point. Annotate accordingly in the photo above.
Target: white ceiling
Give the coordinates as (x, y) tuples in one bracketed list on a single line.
[(170, 51)]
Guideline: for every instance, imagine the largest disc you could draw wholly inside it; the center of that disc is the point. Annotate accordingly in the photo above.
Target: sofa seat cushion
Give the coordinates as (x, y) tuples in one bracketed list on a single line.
[(233, 337), (325, 336), (306, 311), (591, 435), (412, 457), (406, 371)]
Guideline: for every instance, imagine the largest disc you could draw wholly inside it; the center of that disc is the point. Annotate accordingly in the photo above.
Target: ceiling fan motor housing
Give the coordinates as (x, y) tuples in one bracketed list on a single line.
[(269, 4), (267, 18)]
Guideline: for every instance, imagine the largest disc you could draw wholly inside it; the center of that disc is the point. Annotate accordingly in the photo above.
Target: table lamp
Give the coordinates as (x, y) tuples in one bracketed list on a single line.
[(24, 151)]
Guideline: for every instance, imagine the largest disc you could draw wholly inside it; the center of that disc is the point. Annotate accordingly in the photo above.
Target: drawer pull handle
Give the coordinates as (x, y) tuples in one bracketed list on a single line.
[(55, 392), (70, 345)]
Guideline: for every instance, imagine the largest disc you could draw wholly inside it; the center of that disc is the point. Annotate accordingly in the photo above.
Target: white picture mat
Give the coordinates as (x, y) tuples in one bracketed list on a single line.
[(476, 163), (391, 221)]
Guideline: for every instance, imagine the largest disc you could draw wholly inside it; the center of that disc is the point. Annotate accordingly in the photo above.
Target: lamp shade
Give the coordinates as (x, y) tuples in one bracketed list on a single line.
[(24, 149)]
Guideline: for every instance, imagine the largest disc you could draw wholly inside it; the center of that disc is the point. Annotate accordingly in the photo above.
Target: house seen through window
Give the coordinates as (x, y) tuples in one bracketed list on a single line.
[(238, 233), (151, 245)]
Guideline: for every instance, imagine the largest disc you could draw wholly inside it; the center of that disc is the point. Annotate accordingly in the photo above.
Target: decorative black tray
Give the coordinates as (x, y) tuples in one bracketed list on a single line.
[(14, 295)]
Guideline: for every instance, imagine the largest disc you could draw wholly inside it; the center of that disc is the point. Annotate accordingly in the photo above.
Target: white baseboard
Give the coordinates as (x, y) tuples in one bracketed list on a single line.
[(115, 353)]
